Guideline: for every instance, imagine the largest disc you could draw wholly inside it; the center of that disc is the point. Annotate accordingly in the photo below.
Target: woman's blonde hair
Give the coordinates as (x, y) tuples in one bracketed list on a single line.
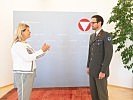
[(18, 35)]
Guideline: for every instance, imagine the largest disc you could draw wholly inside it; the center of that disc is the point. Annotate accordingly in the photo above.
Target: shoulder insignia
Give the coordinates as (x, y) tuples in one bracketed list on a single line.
[(108, 38)]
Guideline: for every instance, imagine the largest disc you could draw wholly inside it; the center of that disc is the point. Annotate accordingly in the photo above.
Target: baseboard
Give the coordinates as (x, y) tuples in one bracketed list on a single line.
[(83, 86), (6, 86), (119, 86)]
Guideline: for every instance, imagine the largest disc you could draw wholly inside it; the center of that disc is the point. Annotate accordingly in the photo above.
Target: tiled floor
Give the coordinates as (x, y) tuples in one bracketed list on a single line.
[(119, 93)]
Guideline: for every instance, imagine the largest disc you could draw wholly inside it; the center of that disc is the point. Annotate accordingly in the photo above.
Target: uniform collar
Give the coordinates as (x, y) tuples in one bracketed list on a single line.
[(97, 32)]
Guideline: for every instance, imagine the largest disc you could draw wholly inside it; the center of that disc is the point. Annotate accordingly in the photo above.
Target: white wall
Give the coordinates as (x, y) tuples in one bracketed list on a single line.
[(5, 42), (119, 76)]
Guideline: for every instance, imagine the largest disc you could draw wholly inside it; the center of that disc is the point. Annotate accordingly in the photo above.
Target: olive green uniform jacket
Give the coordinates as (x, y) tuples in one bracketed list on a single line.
[(100, 53)]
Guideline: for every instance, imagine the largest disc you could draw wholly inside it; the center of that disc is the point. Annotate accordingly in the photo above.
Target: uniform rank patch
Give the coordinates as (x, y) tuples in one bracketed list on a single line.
[(108, 39), (99, 42)]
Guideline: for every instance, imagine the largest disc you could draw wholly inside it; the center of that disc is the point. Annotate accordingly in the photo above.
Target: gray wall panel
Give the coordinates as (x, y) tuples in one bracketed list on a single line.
[(65, 64)]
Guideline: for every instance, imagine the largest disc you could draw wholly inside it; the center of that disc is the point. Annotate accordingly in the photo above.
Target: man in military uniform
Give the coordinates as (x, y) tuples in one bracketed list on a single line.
[(99, 57)]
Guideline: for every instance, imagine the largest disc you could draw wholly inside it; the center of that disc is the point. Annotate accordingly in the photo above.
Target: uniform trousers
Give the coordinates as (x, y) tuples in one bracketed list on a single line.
[(24, 83), (98, 88)]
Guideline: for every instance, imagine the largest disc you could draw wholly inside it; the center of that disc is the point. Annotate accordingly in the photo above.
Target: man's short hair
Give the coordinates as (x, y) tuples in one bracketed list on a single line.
[(98, 18)]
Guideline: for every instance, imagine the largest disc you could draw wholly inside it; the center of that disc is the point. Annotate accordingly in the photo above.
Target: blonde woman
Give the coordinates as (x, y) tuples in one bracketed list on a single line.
[(24, 57)]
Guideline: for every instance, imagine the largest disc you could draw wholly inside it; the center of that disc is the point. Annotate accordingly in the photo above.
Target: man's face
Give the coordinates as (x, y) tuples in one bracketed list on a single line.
[(94, 24)]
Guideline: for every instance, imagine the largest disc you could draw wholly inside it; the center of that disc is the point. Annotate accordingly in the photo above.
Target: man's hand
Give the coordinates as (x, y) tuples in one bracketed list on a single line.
[(87, 71), (101, 75)]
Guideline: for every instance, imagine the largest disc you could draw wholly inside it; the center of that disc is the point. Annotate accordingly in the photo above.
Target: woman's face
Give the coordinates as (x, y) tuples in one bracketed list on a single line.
[(26, 33)]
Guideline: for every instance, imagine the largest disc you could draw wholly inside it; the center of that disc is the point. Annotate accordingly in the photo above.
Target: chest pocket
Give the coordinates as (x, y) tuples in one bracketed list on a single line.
[(99, 42)]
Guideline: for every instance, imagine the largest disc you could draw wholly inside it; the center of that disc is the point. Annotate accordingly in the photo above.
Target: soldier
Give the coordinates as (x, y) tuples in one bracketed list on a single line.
[(99, 57)]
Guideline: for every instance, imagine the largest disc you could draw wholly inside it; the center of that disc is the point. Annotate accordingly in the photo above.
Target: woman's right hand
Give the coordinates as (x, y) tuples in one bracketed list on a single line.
[(45, 47)]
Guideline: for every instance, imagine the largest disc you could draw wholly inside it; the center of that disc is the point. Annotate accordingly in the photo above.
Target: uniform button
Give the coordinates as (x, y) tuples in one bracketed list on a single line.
[(91, 58)]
